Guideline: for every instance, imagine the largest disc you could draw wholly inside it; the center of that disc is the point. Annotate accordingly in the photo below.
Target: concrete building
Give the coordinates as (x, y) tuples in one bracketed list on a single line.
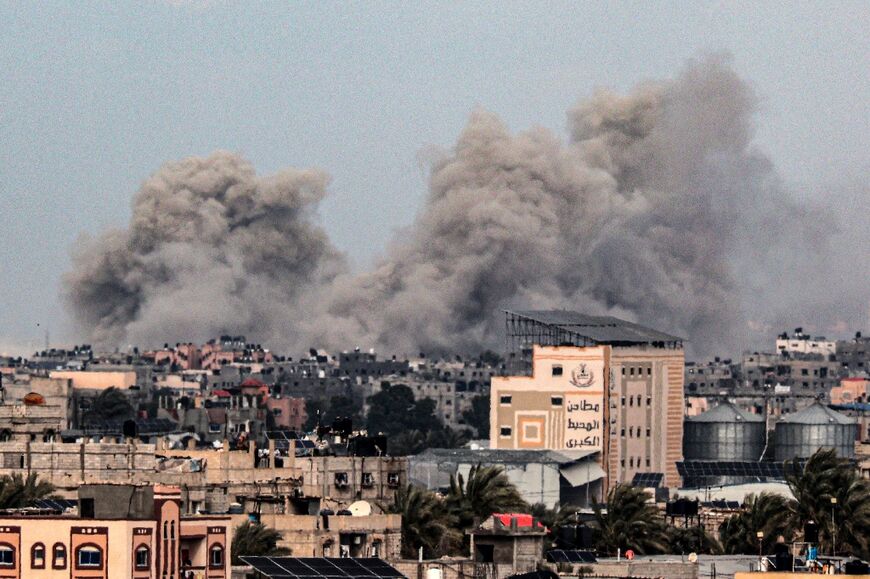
[(854, 355), (851, 390), (510, 540), (597, 384), (802, 343), (34, 407), (118, 532)]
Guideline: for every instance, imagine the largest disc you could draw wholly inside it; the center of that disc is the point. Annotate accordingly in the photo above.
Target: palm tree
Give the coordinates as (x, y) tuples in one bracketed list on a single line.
[(767, 513), (631, 522), (486, 491), (255, 540), (824, 478), (696, 539), (110, 404), (17, 491), (425, 522)]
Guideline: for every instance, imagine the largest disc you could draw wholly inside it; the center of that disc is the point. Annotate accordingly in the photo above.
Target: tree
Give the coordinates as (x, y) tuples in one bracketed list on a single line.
[(17, 491), (767, 513), (425, 522), (393, 410), (824, 477), (631, 522), (324, 412), (478, 415), (486, 491), (686, 540), (110, 404), (256, 540)]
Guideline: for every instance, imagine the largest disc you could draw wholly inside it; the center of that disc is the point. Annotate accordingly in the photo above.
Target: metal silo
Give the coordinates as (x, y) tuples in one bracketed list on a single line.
[(801, 434), (724, 433)]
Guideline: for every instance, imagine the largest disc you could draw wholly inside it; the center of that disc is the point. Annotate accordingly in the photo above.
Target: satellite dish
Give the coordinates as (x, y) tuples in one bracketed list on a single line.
[(360, 509), (693, 557)]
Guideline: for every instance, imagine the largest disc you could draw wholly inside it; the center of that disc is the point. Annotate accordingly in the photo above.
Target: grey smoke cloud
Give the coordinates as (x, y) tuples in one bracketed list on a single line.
[(211, 248), (656, 209)]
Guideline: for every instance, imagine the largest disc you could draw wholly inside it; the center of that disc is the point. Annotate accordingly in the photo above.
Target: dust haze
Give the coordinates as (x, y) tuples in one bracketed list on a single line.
[(656, 207)]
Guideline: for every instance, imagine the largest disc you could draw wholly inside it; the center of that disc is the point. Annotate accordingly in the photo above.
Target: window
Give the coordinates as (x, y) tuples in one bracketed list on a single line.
[(143, 557), (7, 555), (58, 556), (368, 480), (216, 556), (37, 556), (89, 556), (649, 371), (647, 462), (631, 400), (556, 400), (631, 371), (505, 431), (214, 427), (392, 479), (647, 433), (341, 479), (505, 399), (557, 370)]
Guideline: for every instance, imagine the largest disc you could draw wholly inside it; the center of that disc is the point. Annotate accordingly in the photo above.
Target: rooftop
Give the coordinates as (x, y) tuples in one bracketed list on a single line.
[(817, 413), (726, 412), (598, 330)]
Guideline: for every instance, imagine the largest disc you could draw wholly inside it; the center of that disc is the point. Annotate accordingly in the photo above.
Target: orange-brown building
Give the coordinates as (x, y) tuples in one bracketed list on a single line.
[(119, 531), (598, 384)]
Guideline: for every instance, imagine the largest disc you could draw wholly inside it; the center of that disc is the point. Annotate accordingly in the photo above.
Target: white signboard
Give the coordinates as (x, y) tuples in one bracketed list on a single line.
[(584, 408)]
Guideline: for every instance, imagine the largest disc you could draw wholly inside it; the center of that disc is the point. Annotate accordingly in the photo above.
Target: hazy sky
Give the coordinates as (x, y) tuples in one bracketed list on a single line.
[(95, 97)]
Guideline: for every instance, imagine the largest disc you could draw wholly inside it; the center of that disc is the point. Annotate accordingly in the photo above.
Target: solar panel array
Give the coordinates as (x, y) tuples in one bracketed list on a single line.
[(321, 567), (647, 480), (571, 556), (59, 505), (709, 468)]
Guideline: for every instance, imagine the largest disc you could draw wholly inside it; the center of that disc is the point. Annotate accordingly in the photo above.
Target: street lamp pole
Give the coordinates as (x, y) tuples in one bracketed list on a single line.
[(833, 526)]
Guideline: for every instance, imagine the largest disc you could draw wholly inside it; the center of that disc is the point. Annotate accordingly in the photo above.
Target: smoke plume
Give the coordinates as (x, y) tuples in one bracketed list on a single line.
[(656, 209), (211, 248)]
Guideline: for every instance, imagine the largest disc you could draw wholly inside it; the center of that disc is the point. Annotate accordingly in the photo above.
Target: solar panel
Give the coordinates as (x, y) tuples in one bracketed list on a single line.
[(647, 479), (571, 556), (320, 567), (54, 504)]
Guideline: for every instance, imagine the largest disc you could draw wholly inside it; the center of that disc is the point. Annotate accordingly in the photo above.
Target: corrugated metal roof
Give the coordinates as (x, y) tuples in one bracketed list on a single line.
[(726, 412), (506, 456), (600, 329), (817, 413)]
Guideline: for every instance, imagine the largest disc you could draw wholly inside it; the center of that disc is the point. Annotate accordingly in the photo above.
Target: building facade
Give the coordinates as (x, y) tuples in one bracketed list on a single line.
[(597, 384), (119, 532)]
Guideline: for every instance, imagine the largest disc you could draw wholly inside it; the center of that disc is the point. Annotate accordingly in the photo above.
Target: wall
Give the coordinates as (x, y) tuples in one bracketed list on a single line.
[(552, 410), (92, 380)]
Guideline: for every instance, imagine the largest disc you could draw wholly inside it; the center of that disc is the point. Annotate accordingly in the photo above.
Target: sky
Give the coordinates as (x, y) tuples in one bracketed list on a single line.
[(95, 97)]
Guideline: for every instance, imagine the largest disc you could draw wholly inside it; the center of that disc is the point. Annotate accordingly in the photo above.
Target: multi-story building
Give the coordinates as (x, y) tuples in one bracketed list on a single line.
[(854, 355), (118, 532), (802, 343), (598, 384)]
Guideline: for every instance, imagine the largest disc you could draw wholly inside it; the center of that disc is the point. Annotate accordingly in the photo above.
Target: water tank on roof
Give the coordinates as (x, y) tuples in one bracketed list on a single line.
[(724, 433), (801, 434)]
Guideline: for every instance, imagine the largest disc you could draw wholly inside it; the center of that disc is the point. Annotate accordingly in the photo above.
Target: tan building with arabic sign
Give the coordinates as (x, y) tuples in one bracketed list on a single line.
[(620, 393)]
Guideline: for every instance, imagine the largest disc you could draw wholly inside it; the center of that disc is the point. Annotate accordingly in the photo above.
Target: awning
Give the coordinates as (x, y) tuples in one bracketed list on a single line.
[(582, 473)]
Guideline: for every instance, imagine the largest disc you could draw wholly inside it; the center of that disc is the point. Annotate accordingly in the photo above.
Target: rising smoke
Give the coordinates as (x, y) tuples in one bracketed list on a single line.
[(657, 209)]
